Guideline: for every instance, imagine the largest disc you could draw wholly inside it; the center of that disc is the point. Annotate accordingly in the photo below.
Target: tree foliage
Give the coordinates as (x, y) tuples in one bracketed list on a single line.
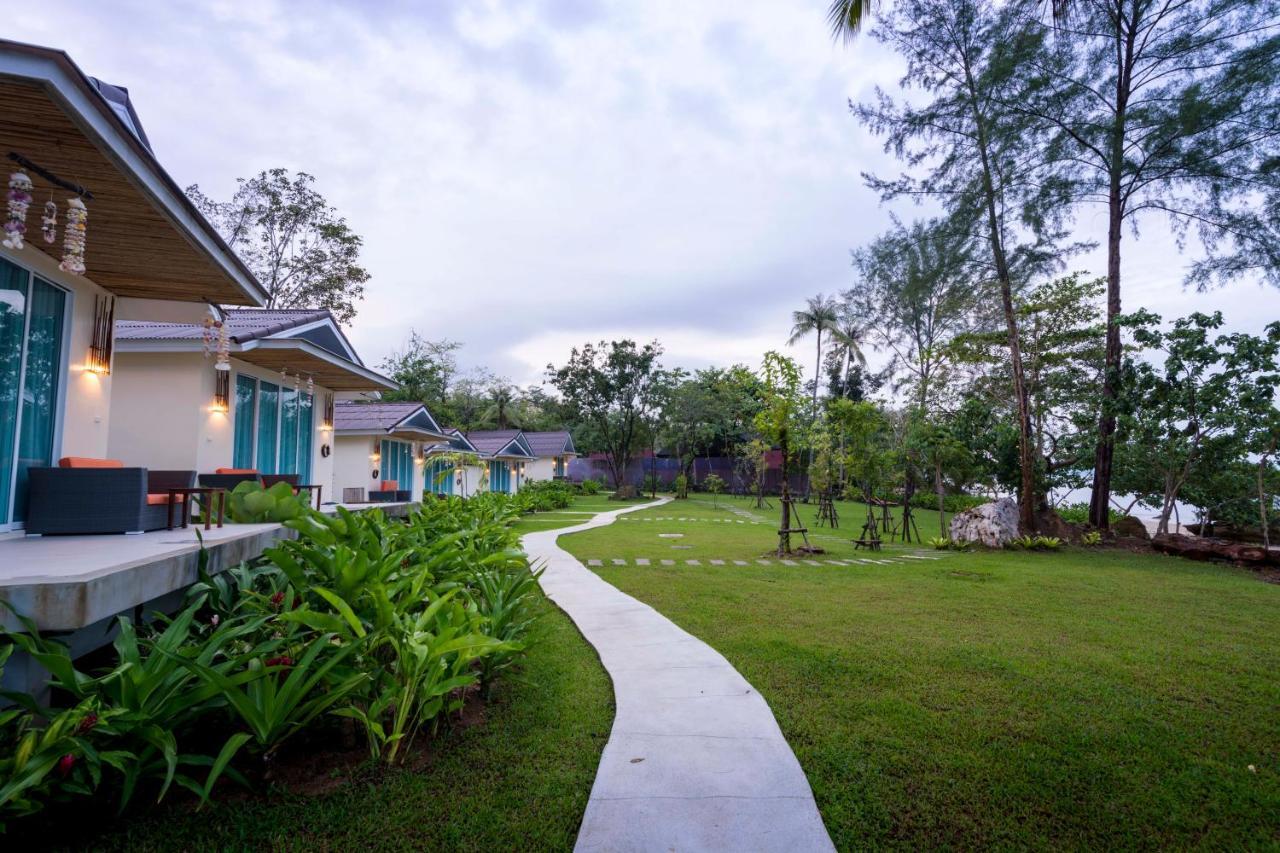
[(301, 251)]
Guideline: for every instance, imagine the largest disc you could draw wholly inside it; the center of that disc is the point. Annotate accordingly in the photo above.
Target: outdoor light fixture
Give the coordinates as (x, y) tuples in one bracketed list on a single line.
[(326, 419), (104, 312), (376, 455), (221, 391)]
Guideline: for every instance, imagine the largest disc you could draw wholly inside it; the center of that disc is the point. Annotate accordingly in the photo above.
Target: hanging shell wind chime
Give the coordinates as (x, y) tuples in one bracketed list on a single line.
[(49, 222), (223, 361), (19, 198), (73, 237)]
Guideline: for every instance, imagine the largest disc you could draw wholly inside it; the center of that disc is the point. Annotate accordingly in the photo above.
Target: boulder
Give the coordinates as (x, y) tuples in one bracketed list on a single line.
[(626, 492), (1130, 528), (992, 524)]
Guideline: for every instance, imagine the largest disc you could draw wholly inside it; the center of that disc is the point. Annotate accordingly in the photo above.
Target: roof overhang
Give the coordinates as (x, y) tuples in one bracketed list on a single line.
[(145, 237), (295, 355), (298, 355)]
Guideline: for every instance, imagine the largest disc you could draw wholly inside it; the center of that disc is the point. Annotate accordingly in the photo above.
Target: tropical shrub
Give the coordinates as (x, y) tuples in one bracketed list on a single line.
[(385, 622), (250, 503), (1078, 513), (590, 487), (1091, 538), (939, 543)]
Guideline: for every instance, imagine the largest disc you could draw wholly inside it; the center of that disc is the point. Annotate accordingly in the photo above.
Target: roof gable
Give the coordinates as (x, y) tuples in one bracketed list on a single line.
[(552, 443)]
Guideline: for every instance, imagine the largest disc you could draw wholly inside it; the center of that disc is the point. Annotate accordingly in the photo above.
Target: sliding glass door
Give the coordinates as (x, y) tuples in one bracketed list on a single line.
[(32, 330), (273, 428)]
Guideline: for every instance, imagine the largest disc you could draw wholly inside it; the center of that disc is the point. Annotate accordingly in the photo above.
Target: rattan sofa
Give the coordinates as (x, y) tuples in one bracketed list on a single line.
[(100, 496)]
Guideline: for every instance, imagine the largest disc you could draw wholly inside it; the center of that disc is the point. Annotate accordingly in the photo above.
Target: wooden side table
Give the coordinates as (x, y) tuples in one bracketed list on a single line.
[(215, 494), (314, 488)]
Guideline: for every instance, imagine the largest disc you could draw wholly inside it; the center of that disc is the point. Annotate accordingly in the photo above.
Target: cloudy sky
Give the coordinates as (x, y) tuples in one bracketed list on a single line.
[(531, 175)]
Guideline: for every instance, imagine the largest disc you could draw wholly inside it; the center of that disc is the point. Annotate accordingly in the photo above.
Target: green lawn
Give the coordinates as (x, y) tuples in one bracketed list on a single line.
[(1084, 699), (710, 528), (518, 780)]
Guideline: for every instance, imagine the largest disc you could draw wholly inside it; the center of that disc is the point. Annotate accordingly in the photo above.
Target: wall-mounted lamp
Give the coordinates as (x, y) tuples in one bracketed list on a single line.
[(376, 455), (326, 419), (100, 342), (221, 391)]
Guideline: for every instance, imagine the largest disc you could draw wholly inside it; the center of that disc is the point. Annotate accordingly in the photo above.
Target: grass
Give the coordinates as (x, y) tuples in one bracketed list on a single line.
[(1082, 699), (518, 780), (728, 528)]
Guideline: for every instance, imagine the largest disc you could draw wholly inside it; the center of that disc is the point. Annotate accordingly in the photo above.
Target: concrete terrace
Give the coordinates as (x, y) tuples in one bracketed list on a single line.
[(69, 583)]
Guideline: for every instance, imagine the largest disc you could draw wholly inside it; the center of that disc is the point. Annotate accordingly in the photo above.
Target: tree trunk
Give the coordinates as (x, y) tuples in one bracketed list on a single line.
[(1026, 460), (784, 538), (813, 418), (942, 504), (1262, 495), (1104, 454)]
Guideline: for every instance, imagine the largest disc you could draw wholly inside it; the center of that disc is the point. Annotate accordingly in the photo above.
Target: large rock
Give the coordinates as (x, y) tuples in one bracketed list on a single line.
[(1130, 527), (992, 524)]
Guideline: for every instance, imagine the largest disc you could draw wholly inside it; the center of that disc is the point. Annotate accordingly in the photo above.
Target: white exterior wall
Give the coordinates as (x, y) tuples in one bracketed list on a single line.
[(163, 417), (85, 397), (542, 468), (353, 465)]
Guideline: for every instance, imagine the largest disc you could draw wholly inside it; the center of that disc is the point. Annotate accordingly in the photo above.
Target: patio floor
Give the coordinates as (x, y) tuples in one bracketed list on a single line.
[(67, 583)]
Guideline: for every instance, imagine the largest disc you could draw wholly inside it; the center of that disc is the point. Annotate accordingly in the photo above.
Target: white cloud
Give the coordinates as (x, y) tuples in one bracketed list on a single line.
[(531, 176)]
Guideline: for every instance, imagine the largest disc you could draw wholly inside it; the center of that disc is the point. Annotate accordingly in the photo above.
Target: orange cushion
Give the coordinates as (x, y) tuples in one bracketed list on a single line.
[(88, 462), (390, 485), (236, 471), (161, 500)]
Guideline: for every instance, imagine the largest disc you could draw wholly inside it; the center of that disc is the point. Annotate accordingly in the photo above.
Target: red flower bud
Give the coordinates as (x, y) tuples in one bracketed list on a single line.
[(277, 599), (65, 763), (89, 721), (283, 660)]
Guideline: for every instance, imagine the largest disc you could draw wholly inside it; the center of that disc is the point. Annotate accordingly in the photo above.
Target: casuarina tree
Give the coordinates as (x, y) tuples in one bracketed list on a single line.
[(1169, 109), (977, 159)]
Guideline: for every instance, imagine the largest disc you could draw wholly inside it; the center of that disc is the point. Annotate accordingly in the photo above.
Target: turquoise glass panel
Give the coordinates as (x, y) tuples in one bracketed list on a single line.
[(40, 385), (13, 320), (242, 443), (288, 431), (268, 427), (306, 432)]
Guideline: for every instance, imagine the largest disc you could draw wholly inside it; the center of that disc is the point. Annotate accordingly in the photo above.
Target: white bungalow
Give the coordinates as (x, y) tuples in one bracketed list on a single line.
[(380, 450), (506, 453), (270, 411), (553, 450), (148, 255)]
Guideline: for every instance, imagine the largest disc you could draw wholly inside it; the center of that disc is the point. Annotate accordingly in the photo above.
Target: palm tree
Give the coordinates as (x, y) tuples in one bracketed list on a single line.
[(502, 410), (847, 337), (846, 17), (820, 315)]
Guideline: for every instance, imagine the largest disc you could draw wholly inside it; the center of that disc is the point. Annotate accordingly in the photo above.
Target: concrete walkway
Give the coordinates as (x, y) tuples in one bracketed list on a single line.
[(695, 760)]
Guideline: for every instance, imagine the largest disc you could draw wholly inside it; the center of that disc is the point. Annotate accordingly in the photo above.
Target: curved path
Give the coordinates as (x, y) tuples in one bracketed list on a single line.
[(695, 760)]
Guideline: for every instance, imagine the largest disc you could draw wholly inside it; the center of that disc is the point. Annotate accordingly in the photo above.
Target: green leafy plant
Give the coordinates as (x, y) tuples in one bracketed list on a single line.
[(939, 543), (250, 503), (714, 484), (1091, 538), (590, 487)]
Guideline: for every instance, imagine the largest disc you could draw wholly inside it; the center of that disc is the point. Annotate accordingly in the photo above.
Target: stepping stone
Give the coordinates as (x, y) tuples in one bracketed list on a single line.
[(764, 562), (618, 562), (740, 521), (836, 562), (790, 563), (595, 562), (668, 562), (670, 535), (739, 562), (642, 561), (812, 563), (693, 562), (717, 562)]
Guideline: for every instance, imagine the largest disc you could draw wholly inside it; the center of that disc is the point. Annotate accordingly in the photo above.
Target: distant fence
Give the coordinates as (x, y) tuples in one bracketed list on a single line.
[(666, 470)]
